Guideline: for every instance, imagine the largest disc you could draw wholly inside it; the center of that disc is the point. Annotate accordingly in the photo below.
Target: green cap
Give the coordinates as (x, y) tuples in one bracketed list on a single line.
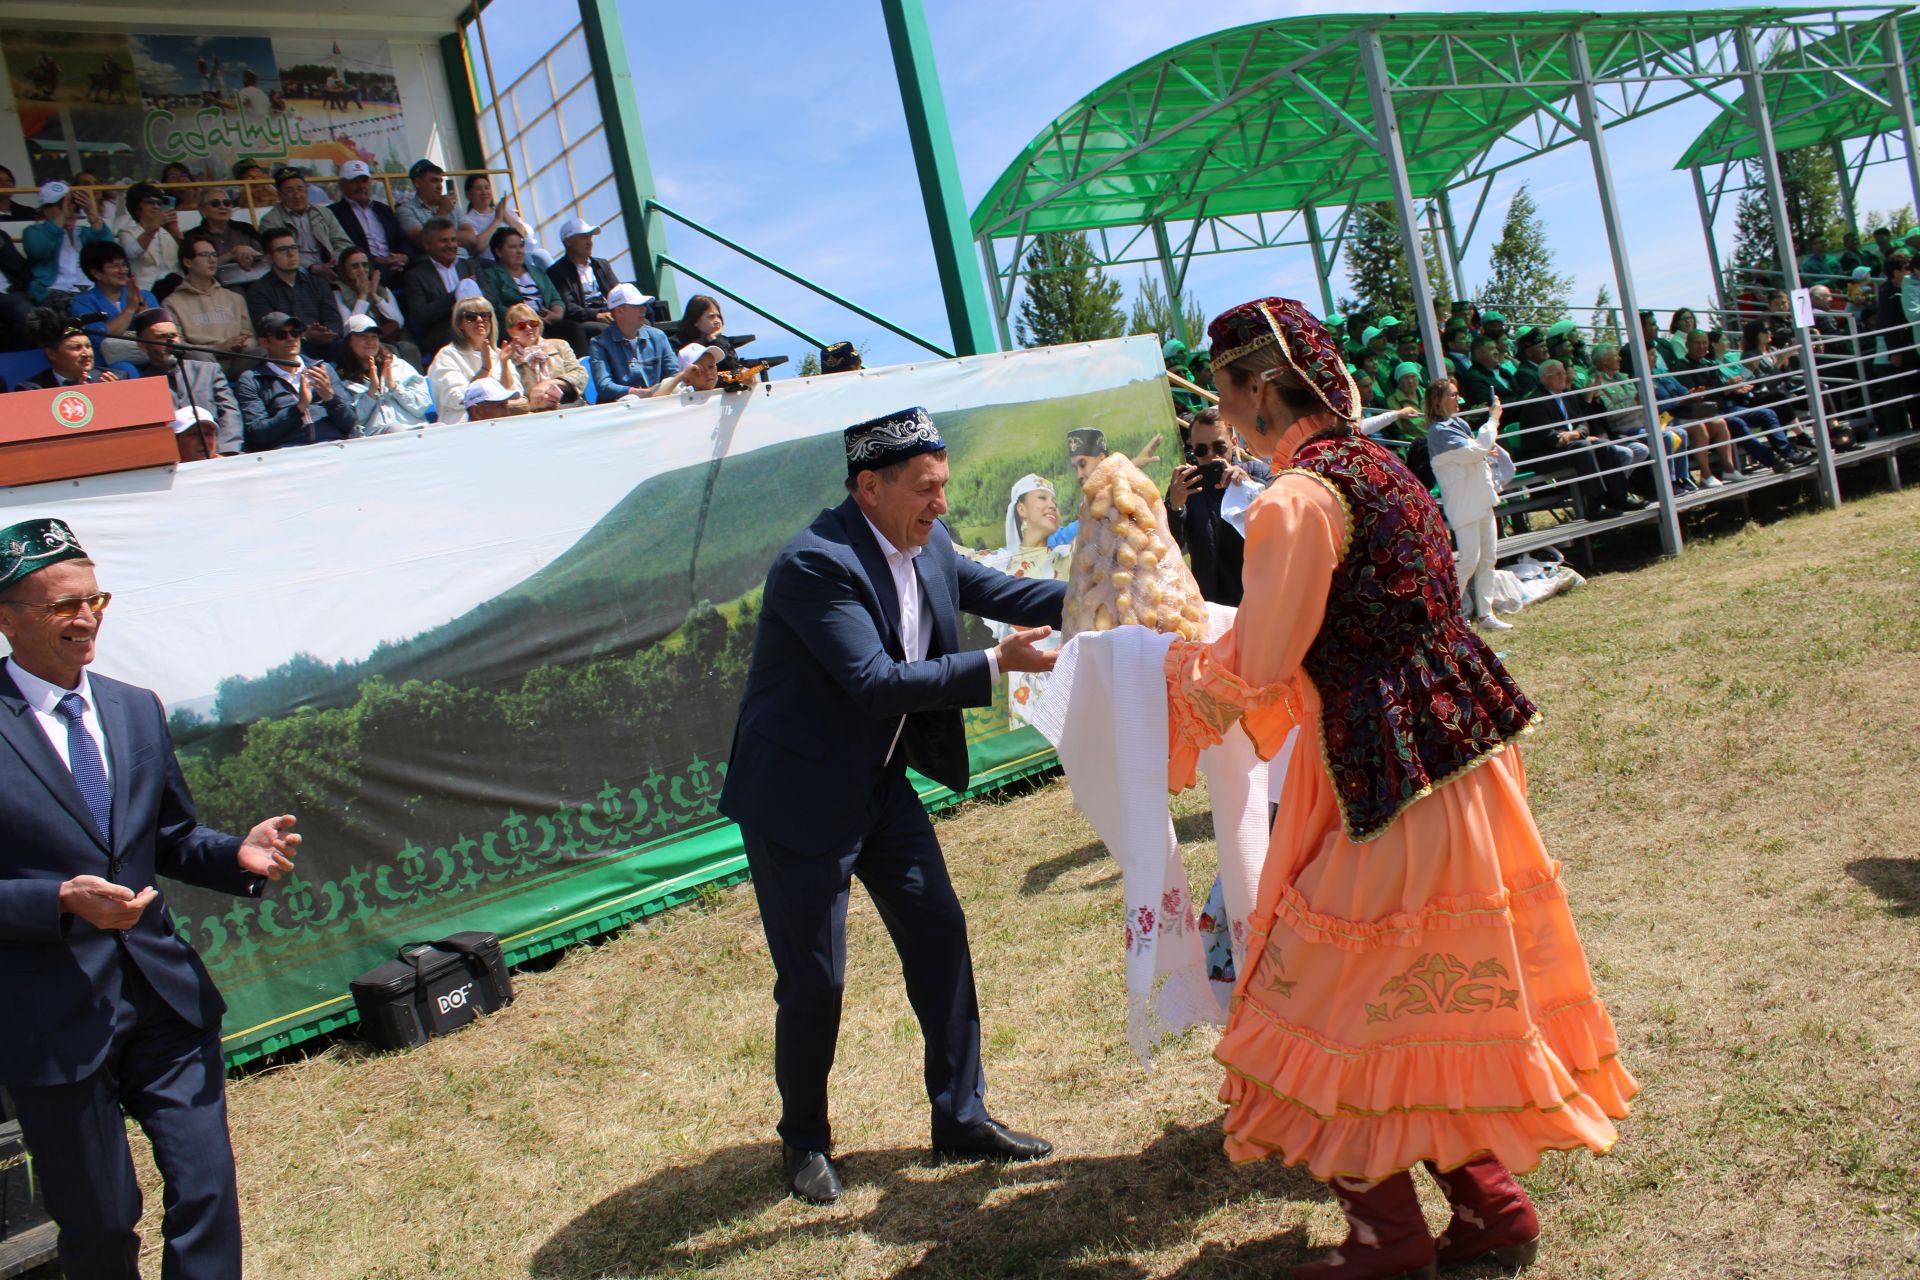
[(1561, 328), (1372, 332), (32, 545), (1388, 322), (1406, 367), (1173, 349), (1492, 317)]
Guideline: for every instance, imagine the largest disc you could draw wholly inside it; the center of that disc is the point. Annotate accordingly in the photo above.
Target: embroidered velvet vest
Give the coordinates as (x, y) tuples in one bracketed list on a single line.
[(1411, 696)]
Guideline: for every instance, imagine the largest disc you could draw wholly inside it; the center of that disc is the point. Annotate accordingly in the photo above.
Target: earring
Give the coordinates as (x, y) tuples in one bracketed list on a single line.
[(1260, 423)]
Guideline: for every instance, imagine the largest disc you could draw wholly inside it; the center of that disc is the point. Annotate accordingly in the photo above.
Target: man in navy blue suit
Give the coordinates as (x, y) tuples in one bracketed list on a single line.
[(857, 673), (108, 1009)]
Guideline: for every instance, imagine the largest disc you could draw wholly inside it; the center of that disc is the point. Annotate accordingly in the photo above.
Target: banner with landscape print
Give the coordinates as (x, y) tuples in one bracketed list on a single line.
[(494, 668)]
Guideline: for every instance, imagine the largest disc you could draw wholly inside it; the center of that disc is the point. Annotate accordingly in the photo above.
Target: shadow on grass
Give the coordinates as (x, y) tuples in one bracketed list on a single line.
[(1896, 880), (1192, 828), (979, 1220)]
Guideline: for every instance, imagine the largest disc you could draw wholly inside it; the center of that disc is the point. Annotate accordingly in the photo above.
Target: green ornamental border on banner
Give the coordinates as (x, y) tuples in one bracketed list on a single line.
[(494, 673)]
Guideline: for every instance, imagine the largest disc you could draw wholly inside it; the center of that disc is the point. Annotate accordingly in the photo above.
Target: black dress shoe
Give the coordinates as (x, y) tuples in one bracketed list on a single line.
[(811, 1175), (989, 1140)]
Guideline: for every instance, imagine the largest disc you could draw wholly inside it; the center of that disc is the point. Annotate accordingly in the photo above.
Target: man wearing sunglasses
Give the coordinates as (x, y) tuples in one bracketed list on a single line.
[(290, 400), (110, 1013), (1215, 548)]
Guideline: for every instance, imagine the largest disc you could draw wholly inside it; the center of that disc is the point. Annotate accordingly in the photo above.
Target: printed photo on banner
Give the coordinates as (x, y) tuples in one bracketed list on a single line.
[(344, 95), (486, 722), (209, 101), (78, 102), (126, 106)]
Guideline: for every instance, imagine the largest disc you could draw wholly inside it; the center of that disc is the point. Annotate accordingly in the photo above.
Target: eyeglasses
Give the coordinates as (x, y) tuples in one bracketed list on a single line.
[(69, 607), (1218, 448), (477, 317), (527, 324), (283, 334), (285, 248), (203, 253), (218, 204)]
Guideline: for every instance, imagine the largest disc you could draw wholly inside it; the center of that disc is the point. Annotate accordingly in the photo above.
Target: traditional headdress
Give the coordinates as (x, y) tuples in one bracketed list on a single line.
[(32, 545), (1021, 488), (841, 357), (894, 438), (1086, 442), (1304, 343)]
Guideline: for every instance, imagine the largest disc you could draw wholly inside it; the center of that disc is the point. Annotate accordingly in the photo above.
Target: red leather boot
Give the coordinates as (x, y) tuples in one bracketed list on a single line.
[(1492, 1217), (1386, 1236)]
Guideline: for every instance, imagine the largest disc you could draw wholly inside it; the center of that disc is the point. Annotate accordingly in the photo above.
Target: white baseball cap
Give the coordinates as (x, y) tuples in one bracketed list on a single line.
[(577, 227), (184, 419), (485, 391), (627, 295), (468, 288), (694, 352), (355, 169), (362, 323), (53, 191)]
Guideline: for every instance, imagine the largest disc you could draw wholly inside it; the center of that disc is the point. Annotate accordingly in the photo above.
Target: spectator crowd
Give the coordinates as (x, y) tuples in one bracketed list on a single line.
[(1558, 408), (316, 321)]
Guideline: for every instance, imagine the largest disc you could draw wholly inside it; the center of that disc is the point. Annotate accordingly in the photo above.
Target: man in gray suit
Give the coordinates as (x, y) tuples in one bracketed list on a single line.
[(194, 384)]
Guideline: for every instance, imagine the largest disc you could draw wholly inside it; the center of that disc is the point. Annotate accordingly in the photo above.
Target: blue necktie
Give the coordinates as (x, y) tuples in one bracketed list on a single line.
[(89, 774)]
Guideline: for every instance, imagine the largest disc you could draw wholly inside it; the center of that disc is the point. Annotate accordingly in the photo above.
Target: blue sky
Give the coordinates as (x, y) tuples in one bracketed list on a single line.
[(782, 127)]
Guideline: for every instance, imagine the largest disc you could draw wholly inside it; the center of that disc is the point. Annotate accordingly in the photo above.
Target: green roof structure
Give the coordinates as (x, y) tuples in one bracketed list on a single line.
[(1246, 138)]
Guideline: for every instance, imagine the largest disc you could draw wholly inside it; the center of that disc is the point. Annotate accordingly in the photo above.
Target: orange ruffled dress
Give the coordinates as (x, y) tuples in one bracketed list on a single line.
[(1420, 996)]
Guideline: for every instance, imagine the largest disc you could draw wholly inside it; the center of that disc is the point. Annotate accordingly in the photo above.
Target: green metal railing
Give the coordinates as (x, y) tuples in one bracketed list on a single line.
[(654, 208)]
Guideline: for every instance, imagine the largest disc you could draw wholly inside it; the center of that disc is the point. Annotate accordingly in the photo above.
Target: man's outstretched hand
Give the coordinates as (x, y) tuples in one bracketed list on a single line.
[(269, 848), (1017, 652)]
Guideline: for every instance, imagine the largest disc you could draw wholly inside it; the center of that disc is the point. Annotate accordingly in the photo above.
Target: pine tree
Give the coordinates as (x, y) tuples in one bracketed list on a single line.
[(1753, 247), (1895, 220), (1812, 190), (1606, 319), (1522, 277), (809, 365), (1812, 193), (1439, 279), (1150, 313), (1068, 298), (1376, 262)]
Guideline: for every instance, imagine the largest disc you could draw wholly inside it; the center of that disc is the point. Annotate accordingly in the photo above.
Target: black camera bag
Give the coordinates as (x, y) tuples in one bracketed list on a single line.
[(430, 989)]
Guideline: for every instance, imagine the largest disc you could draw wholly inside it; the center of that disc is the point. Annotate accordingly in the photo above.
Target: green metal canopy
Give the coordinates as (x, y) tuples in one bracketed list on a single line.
[(1810, 110), (1277, 116)]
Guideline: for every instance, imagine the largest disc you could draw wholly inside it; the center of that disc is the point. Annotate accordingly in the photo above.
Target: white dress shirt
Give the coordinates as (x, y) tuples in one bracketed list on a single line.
[(44, 698), (914, 638), (370, 223)]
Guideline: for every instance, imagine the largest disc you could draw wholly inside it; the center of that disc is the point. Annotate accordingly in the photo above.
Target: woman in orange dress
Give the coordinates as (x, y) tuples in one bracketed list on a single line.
[(1415, 991)]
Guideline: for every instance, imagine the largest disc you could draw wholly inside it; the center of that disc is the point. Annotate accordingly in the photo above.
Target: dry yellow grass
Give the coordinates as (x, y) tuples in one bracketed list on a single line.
[(1728, 773)]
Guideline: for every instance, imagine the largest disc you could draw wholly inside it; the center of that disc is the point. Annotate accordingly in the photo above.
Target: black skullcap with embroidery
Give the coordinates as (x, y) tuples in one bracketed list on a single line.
[(1086, 442), (896, 437)]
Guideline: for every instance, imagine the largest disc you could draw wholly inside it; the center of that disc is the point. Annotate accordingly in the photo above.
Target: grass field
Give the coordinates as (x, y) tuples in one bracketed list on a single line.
[(1727, 772)]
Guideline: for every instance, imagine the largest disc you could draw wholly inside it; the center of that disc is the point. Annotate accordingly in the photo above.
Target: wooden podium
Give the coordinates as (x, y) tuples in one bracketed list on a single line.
[(85, 430)]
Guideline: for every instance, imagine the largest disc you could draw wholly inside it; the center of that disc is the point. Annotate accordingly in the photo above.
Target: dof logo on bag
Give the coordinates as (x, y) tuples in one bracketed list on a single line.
[(455, 999)]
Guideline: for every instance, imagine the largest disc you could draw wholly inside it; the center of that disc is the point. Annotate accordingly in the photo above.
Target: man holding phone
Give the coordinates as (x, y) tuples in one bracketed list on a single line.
[(430, 198), (1215, 548)]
